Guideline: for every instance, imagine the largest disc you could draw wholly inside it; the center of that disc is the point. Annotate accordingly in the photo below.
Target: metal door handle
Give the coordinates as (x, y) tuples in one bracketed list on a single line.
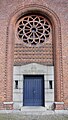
[(34, 91)]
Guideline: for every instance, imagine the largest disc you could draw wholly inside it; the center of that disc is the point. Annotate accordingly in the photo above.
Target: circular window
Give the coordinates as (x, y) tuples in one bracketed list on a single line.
[(33, 29)]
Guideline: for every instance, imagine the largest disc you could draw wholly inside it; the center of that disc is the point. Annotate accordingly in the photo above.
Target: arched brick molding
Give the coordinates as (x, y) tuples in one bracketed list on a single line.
[(57, 49)]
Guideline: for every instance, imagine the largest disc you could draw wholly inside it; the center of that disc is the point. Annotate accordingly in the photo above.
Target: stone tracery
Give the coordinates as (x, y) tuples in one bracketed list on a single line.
[(33, 29)]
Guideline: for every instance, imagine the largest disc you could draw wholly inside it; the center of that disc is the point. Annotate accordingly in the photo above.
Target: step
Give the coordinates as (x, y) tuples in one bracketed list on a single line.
[(36, 110)]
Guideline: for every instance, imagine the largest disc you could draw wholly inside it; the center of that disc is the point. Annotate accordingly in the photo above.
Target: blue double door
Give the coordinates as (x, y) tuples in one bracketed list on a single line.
[(33, 91)]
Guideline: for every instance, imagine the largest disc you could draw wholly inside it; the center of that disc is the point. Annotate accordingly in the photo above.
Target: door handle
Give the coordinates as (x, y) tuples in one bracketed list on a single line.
[(34, 91)]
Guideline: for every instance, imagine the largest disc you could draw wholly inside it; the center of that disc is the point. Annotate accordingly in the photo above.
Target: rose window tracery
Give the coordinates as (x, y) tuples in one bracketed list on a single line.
[(33, 29)]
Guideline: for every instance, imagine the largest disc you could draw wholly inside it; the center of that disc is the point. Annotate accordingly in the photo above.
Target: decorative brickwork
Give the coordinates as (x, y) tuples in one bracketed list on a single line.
[(56, 40), (52, 52), (42, 55), (33, 40)]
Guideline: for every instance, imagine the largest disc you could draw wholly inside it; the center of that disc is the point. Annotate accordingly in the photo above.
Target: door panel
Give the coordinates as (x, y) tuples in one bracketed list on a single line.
[(33, 91)]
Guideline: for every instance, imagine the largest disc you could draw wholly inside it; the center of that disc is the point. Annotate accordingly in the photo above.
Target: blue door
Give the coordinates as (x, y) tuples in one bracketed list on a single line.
[(33, 91)]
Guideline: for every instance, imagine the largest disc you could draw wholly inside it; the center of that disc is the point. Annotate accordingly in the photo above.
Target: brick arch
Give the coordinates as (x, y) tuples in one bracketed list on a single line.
[(57, 48)]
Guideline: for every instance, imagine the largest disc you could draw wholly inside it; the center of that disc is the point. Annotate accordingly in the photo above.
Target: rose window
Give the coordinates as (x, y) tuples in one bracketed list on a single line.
[(33, 29)]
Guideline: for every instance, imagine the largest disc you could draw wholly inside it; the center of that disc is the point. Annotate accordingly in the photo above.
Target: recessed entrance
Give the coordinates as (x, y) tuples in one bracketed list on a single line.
[(33, 85), (33, 88)]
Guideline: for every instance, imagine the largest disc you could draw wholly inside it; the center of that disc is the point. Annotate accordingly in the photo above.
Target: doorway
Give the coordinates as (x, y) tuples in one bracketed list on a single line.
[(33, 88)]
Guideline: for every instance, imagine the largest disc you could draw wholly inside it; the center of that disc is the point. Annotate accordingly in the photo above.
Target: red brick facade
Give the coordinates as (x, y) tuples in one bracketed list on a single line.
[(13, 52)]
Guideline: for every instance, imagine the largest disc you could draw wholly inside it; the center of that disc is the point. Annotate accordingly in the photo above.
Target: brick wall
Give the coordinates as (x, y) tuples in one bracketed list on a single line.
[(8, 9)]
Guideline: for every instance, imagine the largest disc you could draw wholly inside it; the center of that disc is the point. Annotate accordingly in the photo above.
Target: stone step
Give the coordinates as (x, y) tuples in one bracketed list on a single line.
[(36, 111)]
